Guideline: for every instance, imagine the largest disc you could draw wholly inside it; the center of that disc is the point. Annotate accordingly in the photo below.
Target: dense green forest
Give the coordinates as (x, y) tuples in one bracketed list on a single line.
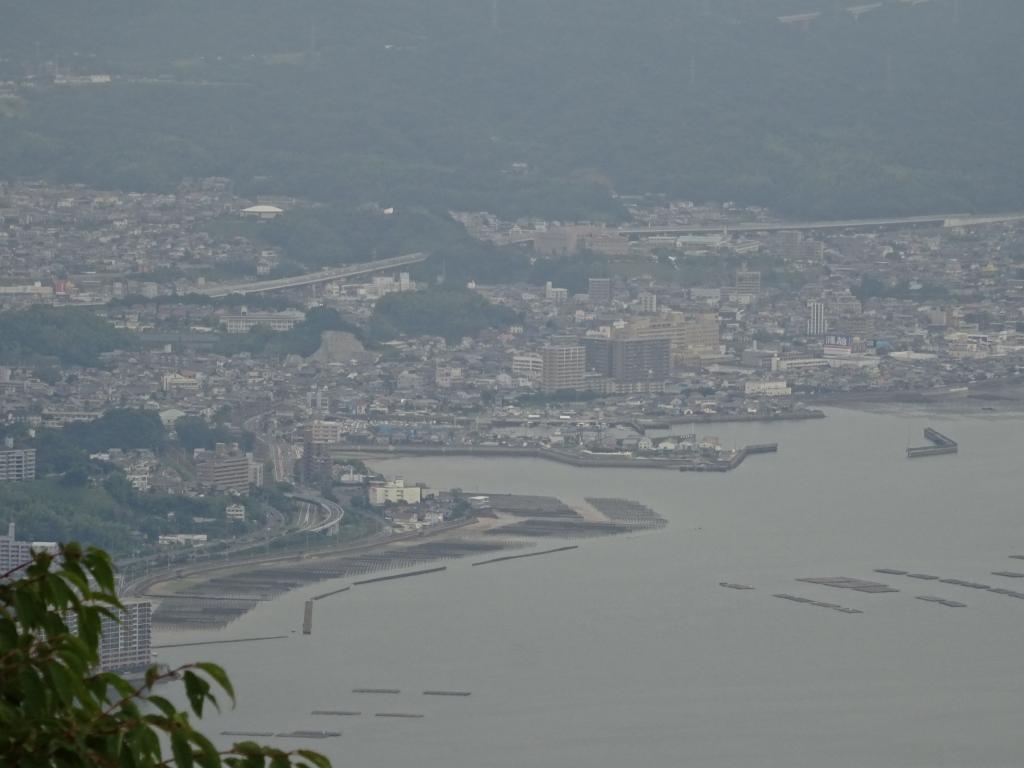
[(73, 336), (445, 310), (528, 106)]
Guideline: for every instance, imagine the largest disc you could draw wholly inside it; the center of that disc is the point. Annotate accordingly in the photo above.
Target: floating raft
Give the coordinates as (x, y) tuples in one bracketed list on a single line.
[(397, 714), (335, 712), (308, 735), (1008, 593), (891, 571), (261, 734), (729, 585), (817, 604), (942, 601), (845, 582), (446, 693), (922, 576), (1009, 574), (376, 690)]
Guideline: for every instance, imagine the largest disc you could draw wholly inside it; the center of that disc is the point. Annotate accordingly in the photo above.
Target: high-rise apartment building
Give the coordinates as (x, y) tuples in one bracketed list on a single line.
[(748, 284), (17, 464), (126, 644), (13, 552), (641, 359), (817, 325), (599, 290), (563, 367)]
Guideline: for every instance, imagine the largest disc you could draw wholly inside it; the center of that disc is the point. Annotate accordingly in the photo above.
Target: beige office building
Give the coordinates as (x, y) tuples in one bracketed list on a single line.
[(563, 367)]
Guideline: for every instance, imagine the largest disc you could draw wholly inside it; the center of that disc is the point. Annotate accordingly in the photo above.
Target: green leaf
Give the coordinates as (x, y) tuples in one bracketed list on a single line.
[(98, 563), (163, 705), (181, 749), (197, 690), (314, 758), (219, 676), (63, 682), (208, 756)]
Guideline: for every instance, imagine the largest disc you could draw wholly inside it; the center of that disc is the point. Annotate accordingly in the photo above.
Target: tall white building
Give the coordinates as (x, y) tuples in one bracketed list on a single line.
[(13, 552), (817, 325), (17, 464)]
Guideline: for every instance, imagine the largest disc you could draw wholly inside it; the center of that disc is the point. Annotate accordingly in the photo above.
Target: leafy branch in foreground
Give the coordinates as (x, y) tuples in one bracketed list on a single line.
[(56, 710)]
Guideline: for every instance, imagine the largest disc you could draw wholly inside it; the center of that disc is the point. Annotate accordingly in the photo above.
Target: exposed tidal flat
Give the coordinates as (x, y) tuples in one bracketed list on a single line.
[(627, 651)]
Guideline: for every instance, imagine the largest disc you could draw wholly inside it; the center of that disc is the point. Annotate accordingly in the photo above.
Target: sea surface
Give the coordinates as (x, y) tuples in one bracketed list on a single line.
[(627, 652)]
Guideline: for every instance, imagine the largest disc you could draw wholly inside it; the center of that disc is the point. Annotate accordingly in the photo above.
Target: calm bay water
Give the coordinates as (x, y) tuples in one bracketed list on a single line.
[(626, 651)]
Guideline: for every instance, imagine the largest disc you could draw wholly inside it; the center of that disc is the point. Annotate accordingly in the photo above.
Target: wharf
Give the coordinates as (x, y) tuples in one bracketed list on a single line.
[(572, 458)]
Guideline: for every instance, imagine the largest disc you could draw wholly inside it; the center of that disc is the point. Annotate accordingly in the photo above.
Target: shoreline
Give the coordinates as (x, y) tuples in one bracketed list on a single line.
[(582, 461)]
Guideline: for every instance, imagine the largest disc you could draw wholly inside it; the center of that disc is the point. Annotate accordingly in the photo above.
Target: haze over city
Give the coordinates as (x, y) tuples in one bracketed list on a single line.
[(516, 382)]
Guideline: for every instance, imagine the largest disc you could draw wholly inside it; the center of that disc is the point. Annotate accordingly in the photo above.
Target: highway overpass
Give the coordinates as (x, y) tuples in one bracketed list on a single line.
[(938, 220), (312, 278)]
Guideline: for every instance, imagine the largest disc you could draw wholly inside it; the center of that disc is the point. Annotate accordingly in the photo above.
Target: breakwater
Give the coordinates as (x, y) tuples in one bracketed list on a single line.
[(518, 557), (940, 444)]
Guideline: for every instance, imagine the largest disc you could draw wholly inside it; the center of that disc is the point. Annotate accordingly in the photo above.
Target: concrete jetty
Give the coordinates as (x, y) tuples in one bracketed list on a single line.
[(528, 554), (401, 575), (329, 594), (940, 445), (336, 712), (307, 618)]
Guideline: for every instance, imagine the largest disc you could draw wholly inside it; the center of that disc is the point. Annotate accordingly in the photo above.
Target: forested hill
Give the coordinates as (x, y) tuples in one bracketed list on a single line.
[(907, 107)]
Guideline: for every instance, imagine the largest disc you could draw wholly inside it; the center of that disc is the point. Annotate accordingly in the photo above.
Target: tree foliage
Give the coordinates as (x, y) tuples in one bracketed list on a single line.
[(57, 710), (408, 103), (445, 310), (74, 336)]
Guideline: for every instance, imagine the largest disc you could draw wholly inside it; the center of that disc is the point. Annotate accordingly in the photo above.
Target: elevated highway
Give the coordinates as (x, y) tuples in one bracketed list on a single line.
[(938, 220), (312, 278)]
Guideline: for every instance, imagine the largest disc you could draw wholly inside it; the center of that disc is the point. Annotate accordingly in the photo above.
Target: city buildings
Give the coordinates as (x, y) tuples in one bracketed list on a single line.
[(817, 325), (228, 469), (245, 320), (13, 553), (634, 359), (126, 642), (563, 367), (16, 464), (600, 290), (748, 284), (396, 491), (692, 334)]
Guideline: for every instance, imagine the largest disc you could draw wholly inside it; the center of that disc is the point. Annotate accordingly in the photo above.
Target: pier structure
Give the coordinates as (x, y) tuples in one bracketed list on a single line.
[(940, 445)]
